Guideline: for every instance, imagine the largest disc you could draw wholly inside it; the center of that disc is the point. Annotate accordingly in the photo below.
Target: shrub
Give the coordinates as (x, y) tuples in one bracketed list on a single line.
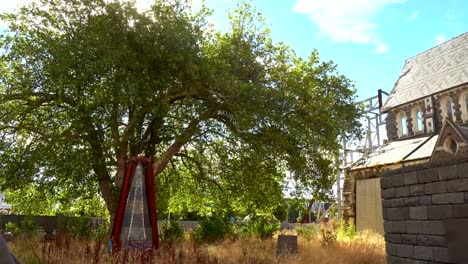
[(328, 233), (101, 232), (28, 227), (212, 229), (265, 227), (79, 227), (345, 231), (259, 226), (13, 228), (307, 231), (171, 231)]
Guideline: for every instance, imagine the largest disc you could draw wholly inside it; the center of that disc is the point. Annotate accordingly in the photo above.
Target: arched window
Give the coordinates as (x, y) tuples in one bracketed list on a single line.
[(464, 106), (418, 122), (404, 129), (447, 108), (402, 125)]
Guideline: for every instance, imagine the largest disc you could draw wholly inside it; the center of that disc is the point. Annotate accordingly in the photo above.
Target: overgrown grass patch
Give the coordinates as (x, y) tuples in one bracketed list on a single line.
[(363, 248)]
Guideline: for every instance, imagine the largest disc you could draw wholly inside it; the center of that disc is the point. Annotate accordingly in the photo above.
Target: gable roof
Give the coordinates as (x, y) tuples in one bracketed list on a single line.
[(451, 129), (440, 68)]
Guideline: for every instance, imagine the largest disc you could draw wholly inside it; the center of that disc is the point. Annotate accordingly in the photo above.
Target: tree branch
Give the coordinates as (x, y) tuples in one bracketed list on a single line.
[(181, 140)]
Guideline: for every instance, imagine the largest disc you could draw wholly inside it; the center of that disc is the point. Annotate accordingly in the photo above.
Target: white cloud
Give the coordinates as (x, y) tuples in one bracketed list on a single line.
[(12, 5), (413, 15), (347, 20), (440, 38)]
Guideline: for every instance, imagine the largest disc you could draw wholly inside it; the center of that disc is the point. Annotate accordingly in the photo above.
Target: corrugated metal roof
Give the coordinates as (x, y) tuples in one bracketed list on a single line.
[(397, 151), (440, 68)]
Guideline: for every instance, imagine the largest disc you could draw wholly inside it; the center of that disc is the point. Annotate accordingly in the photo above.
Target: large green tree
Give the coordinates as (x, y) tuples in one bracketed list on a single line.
[(87, 83)]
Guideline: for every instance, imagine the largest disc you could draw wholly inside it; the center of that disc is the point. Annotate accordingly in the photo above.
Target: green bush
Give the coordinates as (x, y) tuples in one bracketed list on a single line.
[(12, 228), (171, 231), (259, 226), (28, 227), (345, 231), (265, 227), (213, 229), (101, 232), (307, 231), (79, 227)]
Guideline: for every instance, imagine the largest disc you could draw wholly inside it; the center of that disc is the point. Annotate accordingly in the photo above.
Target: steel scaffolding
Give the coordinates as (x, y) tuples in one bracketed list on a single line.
[(373, 121)]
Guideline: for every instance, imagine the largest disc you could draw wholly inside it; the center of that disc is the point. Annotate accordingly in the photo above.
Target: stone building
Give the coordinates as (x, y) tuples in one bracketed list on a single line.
[(414, 188)]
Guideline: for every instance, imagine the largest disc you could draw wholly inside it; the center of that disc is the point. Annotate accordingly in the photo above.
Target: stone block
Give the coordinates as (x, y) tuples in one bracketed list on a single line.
[(398, 213), (466, 197), (389, 181), (386, 203), (436, 212), (425, 200), (386, 182), (402, 191), (408, 239), (448, 198), (405, 251), (397, 180), (440, 254), (430, 240), (410, 178), (460, 210), (398, 202), (397, 260), (425, 227), (457, 185), (423, 253), (448, 173), (393, 238), (385, 213), (462, 170), (435, 187), (417, 189), (394, 227), (427, 175), (391, 249), (457, 232), (418, 212), (411, 201), (388, 193)]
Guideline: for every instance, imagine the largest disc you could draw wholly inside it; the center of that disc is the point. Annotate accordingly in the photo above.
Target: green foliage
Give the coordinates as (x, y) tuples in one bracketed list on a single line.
[(345, 231), (260, 226), (281, 212), (84, 84), (38, 200), (101, 232), (213, 229), (29, 227), (12, 228), (171, 231), (307, 231), (79, 227)]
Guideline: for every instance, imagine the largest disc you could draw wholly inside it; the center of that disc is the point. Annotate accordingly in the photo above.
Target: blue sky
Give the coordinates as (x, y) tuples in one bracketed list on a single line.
[(368, 39)]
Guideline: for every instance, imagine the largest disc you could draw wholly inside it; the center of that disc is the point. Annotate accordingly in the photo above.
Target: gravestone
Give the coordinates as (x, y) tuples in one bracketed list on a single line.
[(286, 244)]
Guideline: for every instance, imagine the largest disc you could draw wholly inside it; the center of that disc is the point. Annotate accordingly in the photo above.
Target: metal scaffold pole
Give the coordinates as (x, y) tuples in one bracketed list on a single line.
[(373, 120)]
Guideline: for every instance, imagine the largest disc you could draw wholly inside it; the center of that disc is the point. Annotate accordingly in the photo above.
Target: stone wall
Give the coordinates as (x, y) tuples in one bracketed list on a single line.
[(425, 210)]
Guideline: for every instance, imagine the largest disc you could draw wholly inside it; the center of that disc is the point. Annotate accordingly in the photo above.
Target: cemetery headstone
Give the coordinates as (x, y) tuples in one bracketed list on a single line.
[(286, 244)]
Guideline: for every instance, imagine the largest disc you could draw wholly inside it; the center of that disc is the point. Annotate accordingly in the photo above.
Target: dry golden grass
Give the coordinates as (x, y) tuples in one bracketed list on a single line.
[(364, 248)]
